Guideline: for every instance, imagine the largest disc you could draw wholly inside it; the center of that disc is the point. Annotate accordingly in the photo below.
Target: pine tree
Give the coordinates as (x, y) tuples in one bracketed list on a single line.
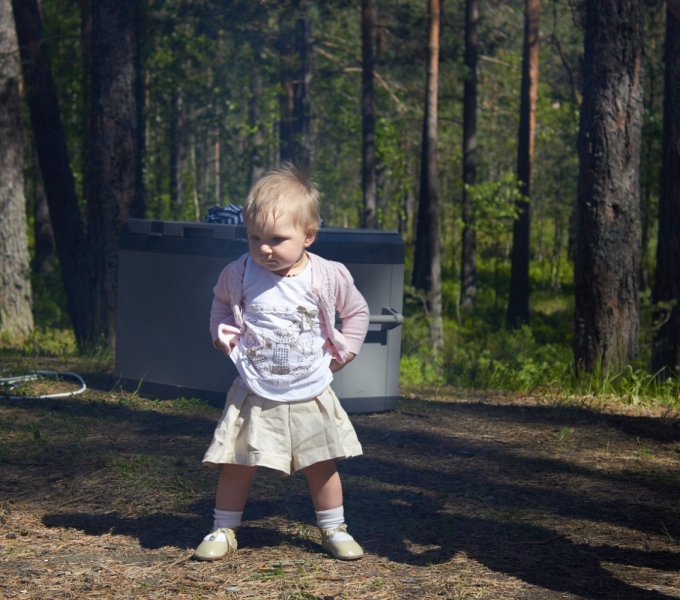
[(518, 303), (606, 316), (666, 347), (16, 318)]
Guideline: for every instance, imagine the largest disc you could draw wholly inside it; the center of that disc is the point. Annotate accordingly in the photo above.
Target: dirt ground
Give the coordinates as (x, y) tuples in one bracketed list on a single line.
[(458, 495)]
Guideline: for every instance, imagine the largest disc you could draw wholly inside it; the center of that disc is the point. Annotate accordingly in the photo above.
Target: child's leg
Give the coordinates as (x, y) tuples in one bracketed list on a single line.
[(324, 485), (325, 488), (232, 493), (233, 487)]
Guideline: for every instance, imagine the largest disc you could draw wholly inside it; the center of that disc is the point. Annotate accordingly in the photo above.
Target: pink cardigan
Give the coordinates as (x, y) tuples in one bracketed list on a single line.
[(333, 288)]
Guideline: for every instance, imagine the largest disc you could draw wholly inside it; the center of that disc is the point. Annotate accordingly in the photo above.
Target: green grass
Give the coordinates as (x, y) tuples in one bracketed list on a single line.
[(481, 353)]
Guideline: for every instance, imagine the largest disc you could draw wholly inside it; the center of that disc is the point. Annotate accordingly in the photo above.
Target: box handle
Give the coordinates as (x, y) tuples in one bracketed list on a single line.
[(389, 319)]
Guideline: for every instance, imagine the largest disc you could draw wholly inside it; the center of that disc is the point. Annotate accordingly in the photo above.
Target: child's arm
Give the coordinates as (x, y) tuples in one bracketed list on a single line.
[(222, 324), (353, 312)]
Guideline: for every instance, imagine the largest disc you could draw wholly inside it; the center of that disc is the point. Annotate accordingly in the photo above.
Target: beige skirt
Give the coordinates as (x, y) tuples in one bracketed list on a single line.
[(286, 436)]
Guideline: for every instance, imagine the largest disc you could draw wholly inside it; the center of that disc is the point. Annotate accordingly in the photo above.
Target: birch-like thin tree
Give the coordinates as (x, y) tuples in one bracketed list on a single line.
[(426, 275), (295, 99), (468, 270), (257, 149), (606, 317), (518, 301), (369, 217)]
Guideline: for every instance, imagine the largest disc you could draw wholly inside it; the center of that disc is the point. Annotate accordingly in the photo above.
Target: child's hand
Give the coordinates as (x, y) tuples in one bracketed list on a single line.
[(336, 366), (226, 338), (226, 348)]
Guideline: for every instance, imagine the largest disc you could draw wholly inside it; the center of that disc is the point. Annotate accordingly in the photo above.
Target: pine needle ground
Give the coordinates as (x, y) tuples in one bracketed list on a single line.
[(458, 495)]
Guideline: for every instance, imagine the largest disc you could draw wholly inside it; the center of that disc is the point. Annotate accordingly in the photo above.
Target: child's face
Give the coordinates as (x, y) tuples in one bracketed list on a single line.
[(278, 244)]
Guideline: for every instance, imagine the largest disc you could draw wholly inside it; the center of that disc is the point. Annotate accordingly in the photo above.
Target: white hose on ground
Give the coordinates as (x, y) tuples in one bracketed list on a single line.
[(12, 382)]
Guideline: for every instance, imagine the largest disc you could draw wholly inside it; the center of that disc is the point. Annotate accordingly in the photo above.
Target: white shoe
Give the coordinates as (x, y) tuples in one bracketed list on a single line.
[(347, 550), (217, 546)]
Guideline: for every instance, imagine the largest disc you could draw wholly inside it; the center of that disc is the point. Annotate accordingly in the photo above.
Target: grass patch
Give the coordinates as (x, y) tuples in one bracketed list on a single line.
[(481, 353)]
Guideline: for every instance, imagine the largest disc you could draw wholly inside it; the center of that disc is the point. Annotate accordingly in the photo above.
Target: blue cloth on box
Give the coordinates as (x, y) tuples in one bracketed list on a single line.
[(231, 214)]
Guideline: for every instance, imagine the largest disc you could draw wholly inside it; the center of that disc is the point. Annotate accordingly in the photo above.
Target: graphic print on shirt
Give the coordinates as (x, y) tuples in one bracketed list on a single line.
[(282, 352)]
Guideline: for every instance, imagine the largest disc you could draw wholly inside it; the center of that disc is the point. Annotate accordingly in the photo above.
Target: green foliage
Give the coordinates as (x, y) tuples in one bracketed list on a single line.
[(208, 65), (49, 300), (495, 203), (481, 353)]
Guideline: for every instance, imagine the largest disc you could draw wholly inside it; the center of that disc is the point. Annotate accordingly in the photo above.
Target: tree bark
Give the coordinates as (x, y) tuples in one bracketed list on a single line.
[(54, 165), (302, 92), (294, 101), (369, 217), (16, 318), (43, 257), (115, 157), (85, 9), (287, 95), (178, 153), (427, 261), (666, 346), (518, 302), (257, 158), (606, 316), (468, 271)]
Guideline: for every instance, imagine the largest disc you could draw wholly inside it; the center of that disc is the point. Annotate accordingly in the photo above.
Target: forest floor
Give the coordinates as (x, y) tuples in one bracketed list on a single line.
[(459, 494)]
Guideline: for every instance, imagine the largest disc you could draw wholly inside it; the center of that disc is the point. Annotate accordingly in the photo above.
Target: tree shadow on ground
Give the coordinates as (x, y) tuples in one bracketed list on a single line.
[(476, 471), (159, 530), (646, 427), (414, 534), (419, 531), (406, 499)]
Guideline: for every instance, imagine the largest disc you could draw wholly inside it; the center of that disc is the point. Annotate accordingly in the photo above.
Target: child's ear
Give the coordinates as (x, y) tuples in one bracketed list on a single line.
[(310, 236)]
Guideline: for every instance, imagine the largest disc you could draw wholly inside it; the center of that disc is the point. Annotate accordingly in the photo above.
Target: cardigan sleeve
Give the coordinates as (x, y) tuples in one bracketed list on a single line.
[(352, 308), (222, 324)]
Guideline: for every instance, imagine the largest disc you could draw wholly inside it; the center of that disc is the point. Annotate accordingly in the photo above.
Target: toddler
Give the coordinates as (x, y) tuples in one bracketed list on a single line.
[(273, 314)]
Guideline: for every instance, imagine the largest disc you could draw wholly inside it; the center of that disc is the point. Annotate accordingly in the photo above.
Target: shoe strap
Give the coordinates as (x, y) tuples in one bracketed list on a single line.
[(224, 530), (331, 532)]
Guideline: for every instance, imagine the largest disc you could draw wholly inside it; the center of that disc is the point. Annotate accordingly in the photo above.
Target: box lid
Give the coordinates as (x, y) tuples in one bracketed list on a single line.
[(352, 246)]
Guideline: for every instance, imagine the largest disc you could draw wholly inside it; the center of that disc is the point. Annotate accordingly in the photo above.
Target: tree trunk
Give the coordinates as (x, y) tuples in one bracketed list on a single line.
[(16, 318), (518, 302), (43, 257), (666, 347), (257, 158), (115, 165), (606, 317), (468, 271), (369, 217), (287, 95), (302, 92), (218, 168), (54, 165), (178, 153), (426, 262), (296, 78), (85, 10)]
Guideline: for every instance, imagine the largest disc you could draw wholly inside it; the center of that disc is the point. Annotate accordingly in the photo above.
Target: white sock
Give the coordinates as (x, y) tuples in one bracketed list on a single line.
[(228, 519), (330, 519)]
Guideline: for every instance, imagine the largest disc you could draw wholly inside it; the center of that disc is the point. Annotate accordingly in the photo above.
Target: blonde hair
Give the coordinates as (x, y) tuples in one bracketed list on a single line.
[(284, 190)]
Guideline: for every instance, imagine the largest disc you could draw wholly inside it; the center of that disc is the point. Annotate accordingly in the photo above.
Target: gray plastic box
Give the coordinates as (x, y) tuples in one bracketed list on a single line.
[(166, 273)]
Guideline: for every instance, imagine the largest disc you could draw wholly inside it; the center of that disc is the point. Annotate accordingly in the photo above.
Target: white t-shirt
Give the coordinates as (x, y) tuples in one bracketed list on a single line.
[(281, 354)]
